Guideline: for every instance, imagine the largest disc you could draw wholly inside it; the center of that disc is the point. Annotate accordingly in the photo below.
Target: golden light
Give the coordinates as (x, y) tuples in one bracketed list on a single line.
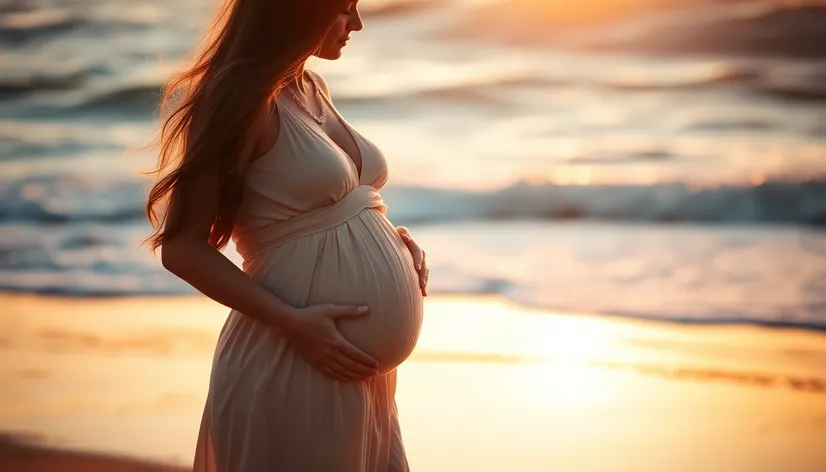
[(566, 13), (567, 385), (572, 340), (566, 348)]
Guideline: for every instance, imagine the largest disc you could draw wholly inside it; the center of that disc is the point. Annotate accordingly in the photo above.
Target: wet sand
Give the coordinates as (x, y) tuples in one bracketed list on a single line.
[(19, 455), (491, 387)]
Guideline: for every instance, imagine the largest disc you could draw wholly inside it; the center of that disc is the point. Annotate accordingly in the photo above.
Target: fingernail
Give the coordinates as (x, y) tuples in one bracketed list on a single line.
[(363, 309), (418, 267)]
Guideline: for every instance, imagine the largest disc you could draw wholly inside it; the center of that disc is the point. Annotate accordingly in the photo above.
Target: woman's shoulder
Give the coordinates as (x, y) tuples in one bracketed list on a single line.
[(319, 79), (263, 131)]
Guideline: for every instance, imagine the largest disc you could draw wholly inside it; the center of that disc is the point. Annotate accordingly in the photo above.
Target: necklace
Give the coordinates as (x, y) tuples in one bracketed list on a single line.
[(321, 119)]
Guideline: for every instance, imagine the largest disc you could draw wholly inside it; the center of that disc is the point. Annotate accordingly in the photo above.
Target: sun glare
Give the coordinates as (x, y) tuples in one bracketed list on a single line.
[(571, 340), (572, 13), (568, 385), (567, 347)]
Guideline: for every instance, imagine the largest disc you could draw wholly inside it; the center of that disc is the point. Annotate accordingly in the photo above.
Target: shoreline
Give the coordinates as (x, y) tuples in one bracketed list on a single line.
[(632, 319), (526, 389)]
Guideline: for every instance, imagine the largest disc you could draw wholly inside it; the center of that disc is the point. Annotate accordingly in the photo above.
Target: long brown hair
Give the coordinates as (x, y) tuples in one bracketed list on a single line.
[(252, 49)]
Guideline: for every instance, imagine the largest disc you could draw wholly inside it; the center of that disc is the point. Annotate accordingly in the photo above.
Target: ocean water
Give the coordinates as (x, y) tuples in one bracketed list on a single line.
[(655, 159)]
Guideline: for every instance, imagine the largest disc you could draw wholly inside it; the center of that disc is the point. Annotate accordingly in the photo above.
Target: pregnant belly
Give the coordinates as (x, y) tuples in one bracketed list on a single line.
[(361, 262)]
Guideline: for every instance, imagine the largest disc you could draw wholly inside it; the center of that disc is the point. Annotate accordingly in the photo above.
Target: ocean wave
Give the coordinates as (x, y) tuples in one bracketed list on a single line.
[(13, 148), (27, 26), (16, 87), (142, 99), (723, 125), (789, 202), (482, 91), (766, 80), (23, 26), (125, 98), (683, 274), (726, 75), (65, 200), (796, 92), (772, 81)]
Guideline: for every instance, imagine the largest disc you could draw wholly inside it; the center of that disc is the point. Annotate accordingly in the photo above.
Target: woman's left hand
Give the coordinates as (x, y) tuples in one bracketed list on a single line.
[(418, 257)]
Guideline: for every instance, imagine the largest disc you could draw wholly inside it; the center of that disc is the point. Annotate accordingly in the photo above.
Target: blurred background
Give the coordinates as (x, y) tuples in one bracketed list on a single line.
[(651, 159), (607, 150)]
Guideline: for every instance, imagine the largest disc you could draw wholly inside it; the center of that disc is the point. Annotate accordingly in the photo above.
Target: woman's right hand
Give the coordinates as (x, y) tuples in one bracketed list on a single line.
[(313, 332)]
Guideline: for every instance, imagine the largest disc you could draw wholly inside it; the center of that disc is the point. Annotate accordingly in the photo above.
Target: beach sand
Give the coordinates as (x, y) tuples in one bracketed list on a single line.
[(491, 387), (19, 456)]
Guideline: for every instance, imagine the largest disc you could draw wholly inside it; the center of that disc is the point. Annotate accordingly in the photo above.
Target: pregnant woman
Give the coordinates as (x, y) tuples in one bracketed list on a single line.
[(329, 301)]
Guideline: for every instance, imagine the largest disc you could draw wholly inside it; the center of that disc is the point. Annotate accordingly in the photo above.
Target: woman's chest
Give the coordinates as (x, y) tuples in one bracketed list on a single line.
[(305, 172)]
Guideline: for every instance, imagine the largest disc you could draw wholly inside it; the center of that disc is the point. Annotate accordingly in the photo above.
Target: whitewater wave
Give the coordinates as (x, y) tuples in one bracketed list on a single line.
[(143, 99), (790, 202), (684, 273), (65, 200)]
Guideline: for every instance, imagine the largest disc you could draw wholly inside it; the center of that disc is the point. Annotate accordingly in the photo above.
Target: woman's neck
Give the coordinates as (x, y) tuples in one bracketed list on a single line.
[(299, 82)]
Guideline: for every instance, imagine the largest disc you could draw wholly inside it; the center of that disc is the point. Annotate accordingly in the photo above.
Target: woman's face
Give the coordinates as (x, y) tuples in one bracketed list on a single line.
[(348, 20)]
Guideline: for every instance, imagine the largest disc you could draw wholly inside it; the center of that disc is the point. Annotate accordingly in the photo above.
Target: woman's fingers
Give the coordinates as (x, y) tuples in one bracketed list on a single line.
[(332, 372), (417, 253), (354, 369), (415, 250), (342, 372), (404, 233), (347, 311), (342, 368), (357, 355), (424, 272), (419, 260), (419, 256), (424, 275)]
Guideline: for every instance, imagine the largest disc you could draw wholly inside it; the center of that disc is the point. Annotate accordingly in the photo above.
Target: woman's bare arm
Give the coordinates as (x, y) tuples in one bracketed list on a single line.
[(190, 257)]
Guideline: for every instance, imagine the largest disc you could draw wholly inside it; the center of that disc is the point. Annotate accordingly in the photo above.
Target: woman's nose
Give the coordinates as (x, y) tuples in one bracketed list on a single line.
[(355, 23)]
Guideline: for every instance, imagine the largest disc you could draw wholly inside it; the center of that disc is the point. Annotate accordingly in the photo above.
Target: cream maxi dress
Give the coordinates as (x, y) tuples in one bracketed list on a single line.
[(312, 230)]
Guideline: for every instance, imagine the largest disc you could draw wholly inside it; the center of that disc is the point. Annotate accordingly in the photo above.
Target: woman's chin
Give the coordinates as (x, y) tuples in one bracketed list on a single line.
[(330, 55)]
